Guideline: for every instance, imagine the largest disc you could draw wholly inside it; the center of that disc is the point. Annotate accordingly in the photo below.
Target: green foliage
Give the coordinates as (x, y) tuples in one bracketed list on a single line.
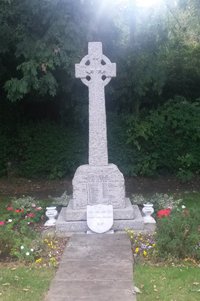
[(156, 60), (17, 228), (159, 200), (178, 236), (167, 139), (7, 238), (50, 150), (119, 152), (20, 237), (16, 238), (5, 151), (41, 41), (44, 149)]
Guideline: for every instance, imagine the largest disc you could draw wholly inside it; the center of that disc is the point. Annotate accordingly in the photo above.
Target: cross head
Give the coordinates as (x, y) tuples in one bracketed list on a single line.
[(95, 67)]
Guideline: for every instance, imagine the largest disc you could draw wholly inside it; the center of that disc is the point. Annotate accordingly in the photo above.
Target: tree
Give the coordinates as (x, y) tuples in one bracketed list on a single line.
[(42, 40)]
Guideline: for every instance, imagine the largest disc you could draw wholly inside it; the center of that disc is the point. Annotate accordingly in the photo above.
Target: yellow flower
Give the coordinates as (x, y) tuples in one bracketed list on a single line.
[(137, 250), (153, 245), (145, 253), (39, 260)]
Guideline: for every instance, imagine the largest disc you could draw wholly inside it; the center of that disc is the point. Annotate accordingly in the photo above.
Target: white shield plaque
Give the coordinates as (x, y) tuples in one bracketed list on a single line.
[(100, 218)]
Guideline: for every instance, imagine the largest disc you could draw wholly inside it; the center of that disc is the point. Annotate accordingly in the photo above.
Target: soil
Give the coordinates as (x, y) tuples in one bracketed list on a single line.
[(44, 189)]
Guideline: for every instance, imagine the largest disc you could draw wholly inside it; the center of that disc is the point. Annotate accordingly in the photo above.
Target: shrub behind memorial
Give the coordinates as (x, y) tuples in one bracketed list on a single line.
[(167, 139)]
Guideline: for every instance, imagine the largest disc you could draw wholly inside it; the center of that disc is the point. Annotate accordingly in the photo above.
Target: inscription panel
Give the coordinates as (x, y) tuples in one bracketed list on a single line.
[(100, 218), (98, 185)]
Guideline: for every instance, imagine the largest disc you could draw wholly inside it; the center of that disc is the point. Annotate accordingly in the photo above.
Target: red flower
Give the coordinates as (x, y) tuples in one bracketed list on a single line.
[(163, 212), (2, 223), (10, 208), (19, 210), (31, 214)]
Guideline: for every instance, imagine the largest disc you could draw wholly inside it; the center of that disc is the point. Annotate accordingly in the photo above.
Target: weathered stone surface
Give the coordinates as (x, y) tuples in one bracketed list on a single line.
[(94, 267), (97, 182), (64, 227), (100, 218), (91, 291), (95, 70), (128, 212), (98, 185)]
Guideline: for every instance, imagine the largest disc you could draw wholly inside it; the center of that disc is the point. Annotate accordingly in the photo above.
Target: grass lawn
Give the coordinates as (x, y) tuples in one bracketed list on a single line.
[(167, 283), (22, 283)]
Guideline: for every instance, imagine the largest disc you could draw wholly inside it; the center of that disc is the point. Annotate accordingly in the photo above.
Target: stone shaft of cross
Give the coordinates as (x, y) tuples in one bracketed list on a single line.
[(95, 70)]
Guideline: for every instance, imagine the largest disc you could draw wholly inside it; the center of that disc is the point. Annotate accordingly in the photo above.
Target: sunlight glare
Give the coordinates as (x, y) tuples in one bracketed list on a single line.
[(148, 3)]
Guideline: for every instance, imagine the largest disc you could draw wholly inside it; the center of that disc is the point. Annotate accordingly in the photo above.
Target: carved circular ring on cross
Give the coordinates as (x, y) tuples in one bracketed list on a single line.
[(103, 62)]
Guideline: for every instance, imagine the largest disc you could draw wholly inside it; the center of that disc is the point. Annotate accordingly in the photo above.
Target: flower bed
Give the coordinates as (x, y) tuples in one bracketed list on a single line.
[(177, 234), (143, 245), (20, 234)]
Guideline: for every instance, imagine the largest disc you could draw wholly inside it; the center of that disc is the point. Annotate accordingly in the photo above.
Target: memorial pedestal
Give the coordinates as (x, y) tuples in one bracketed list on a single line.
[(94, 185)]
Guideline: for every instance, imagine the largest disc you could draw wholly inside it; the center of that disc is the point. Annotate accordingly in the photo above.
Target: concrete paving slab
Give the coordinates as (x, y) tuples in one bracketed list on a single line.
[(88, 253), (104, 240), (96, 267), (94, 270), (101, 289)]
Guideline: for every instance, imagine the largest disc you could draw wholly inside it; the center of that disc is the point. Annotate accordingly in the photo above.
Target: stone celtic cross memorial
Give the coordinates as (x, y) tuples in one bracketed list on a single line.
[(97, 182)]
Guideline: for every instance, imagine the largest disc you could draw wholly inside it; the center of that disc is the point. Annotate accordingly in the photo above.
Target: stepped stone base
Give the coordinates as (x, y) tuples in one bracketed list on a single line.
[(128, 212), (123, 218), (94, 185)]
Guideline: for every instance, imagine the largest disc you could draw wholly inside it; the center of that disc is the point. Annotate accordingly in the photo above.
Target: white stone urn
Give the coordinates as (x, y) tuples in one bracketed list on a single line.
[(148, 210), (51, 214)]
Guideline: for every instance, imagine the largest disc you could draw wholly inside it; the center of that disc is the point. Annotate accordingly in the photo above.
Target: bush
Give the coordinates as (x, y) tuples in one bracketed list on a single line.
[(17, 228), (167, 139), (7, 241), (16, 238), (49, 150), (120, 153), (20, 233), (178, 235)]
